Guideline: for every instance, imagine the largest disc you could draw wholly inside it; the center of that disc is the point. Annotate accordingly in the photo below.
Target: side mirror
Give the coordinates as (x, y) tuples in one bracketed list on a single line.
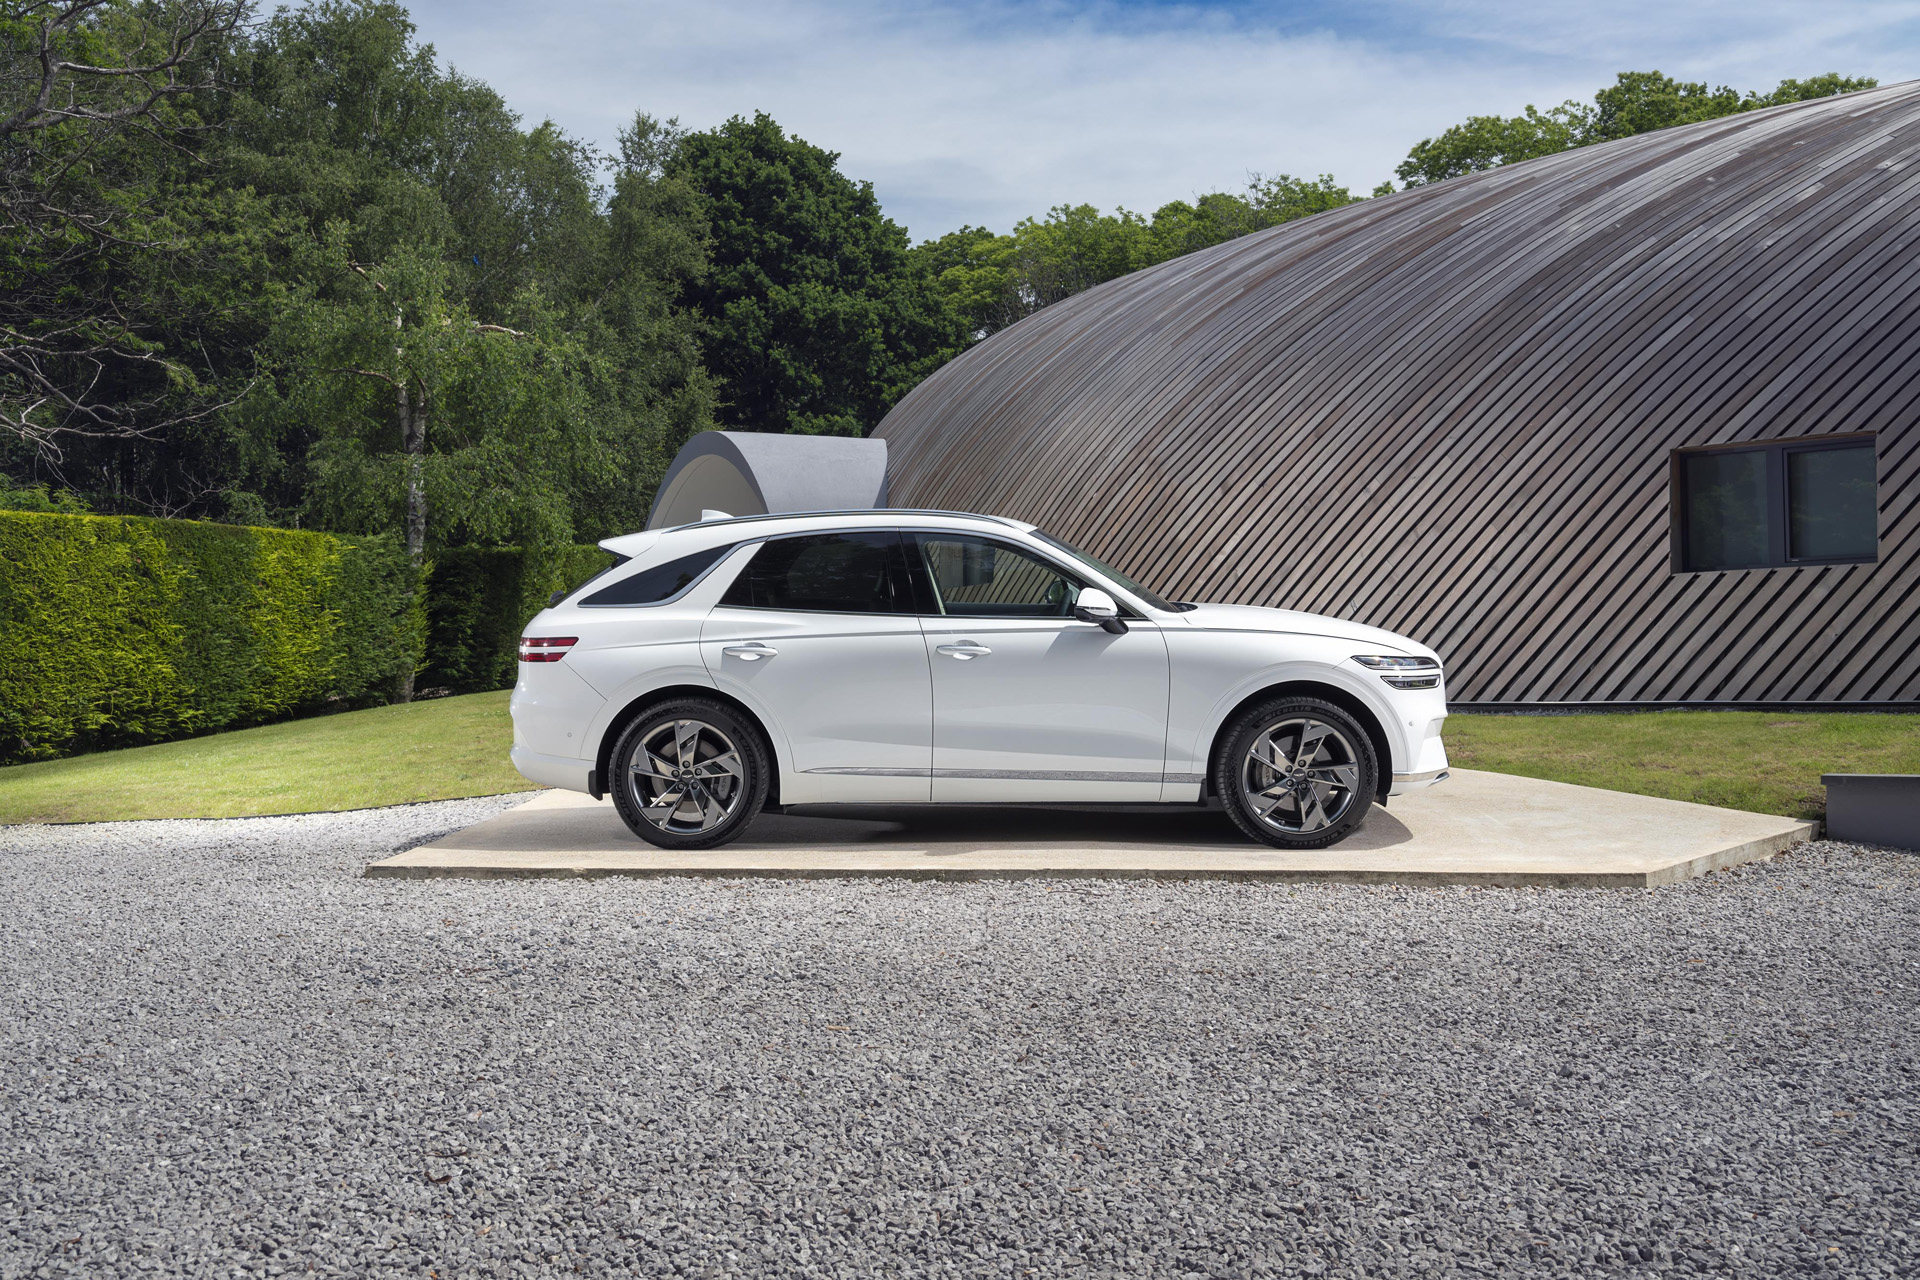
[(1096, 606)]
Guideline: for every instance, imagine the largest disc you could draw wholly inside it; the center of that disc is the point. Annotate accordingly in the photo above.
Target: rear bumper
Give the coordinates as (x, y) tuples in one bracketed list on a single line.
[(551, 771)]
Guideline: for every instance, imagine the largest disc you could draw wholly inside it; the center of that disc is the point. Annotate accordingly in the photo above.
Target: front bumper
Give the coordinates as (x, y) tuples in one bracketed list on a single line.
[(1405, 782)]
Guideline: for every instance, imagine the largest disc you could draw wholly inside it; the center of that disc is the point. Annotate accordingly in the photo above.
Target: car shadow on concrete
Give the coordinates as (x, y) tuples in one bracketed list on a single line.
[(969, 826)]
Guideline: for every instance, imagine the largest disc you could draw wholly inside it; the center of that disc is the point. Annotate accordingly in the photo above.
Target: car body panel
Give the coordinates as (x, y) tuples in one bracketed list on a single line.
[(851, 694), (1054, 710), (1228, 654), (553, 708), (864, 708)]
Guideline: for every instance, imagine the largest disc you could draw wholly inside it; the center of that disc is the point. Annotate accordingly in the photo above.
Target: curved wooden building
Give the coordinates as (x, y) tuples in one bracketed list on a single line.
[(1629, 424)]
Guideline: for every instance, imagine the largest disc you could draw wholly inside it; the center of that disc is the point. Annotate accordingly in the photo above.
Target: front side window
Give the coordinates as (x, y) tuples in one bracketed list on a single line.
[(1799, 502), (1153, 598), (980, 578), (827, 573)]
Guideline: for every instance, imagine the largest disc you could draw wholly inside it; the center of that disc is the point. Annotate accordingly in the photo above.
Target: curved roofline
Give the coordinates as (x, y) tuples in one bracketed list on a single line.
[(1463, 412), (773, 472)]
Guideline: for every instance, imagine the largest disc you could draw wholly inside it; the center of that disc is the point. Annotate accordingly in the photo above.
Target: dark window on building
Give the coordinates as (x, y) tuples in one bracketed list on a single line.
[(1790, 502), (827, 573), (661, 582), (1831, 504)]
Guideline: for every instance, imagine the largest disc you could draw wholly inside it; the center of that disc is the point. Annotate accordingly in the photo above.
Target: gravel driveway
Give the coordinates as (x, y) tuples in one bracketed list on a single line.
[(222, 1052)]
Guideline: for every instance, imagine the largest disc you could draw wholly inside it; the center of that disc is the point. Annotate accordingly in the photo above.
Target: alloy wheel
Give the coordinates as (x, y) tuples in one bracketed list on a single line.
[(686, 777), (1301, 775)]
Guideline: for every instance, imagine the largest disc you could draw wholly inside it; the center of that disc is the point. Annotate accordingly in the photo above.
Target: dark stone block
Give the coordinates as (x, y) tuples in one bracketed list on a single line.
[(1874, 808)]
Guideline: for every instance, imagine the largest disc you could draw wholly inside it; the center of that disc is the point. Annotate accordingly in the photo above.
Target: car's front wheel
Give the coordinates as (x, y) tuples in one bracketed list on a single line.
[(1297, 773), (689, 774)]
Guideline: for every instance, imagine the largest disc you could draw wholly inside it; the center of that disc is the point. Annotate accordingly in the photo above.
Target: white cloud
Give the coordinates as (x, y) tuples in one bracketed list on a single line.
[(988, 113)]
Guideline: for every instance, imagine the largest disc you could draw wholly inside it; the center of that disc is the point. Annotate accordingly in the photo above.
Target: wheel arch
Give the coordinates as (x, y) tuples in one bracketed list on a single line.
[(603, 755), (1333, 693)]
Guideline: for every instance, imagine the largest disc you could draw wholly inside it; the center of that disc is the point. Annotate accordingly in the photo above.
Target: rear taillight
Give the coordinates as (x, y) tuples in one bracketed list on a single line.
[(545, 648)]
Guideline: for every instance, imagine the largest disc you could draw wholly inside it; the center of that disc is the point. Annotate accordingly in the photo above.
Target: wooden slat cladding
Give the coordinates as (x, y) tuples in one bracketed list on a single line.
[(1450, 412)]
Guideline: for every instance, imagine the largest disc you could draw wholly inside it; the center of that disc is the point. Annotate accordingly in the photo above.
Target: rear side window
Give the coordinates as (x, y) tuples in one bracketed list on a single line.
[(827, 573), (661, 582)]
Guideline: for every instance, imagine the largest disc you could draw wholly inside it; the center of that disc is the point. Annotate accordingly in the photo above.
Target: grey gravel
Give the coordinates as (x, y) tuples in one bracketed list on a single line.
[(226, 1054)]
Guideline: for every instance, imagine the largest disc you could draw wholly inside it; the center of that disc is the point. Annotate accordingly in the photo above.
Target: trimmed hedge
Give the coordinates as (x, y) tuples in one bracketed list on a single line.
[(117, 630), (479, 598)]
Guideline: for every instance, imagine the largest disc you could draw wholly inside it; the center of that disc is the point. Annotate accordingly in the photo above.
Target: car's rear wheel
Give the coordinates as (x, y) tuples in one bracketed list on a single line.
[(689, 774), (1297, 773)]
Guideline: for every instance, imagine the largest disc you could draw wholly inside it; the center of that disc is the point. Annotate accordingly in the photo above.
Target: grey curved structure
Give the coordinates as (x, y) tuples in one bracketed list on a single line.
[(745, 473), (1454, 411)]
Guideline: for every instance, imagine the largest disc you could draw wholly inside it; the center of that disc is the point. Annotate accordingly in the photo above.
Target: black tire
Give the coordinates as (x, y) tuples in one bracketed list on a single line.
[(1342, 766), (714, 805)]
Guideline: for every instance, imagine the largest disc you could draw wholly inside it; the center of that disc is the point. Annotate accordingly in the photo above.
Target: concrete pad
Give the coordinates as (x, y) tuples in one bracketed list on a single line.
[(1475, 828)]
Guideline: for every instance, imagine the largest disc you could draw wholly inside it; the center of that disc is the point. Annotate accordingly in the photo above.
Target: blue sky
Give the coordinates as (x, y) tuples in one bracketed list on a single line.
[(986, 112)]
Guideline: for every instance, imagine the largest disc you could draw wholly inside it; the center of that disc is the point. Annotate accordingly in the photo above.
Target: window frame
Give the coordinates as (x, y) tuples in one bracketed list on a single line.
[(1779, 501)]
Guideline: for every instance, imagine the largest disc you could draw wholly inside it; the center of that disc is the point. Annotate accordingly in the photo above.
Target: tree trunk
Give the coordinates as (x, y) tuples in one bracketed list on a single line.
[(413, 436)]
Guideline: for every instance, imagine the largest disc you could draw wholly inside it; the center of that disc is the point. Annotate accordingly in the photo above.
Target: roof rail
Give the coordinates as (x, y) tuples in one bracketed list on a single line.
[(858, 511)]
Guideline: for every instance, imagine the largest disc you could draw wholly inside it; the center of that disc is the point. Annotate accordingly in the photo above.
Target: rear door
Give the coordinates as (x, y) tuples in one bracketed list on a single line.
[(818, 636), (1030, 704)]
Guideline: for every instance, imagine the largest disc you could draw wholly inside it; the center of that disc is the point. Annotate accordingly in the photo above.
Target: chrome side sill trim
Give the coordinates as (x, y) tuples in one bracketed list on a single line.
[(1404, 779), (1015, 775), (876, 773)]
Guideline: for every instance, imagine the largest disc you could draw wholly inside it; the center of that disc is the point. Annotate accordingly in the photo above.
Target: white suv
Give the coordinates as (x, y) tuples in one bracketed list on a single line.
[(915, 657)]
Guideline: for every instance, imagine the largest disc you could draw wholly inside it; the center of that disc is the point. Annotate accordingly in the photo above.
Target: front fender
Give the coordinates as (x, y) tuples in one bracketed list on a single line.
[(1222, 671)]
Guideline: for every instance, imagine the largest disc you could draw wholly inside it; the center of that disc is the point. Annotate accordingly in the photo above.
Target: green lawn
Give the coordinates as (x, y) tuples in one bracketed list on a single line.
[(1762, 761), (450, 747), (434, 750)]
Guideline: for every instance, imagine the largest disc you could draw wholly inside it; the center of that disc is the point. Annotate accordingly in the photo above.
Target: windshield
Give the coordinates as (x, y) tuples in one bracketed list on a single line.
[(1152, 598)]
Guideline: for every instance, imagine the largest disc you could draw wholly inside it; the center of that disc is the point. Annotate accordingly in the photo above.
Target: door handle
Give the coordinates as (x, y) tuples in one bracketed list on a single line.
[(752, 651), (966, 650)]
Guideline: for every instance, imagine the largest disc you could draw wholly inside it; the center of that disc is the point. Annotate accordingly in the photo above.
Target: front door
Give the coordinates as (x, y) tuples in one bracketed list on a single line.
[(818, 636), (1029, 704)]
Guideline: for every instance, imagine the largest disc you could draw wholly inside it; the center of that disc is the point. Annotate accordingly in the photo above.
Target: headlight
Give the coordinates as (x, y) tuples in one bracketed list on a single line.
[(1402, 672), (1379, 663)]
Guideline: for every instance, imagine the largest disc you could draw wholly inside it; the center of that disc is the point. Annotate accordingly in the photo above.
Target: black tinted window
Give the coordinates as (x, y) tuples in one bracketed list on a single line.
[(829, 573), (1727, 498), (661, 582), (1831, 512)]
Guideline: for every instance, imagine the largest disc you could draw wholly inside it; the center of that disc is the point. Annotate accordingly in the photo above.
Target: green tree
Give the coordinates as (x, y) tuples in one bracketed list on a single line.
[(425, 418), (1483, 142), (102, 216), (993, 281), (345, 141), (647, 340), (1642, 101), (818, 317), (1637, 102), (1179, 228)]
